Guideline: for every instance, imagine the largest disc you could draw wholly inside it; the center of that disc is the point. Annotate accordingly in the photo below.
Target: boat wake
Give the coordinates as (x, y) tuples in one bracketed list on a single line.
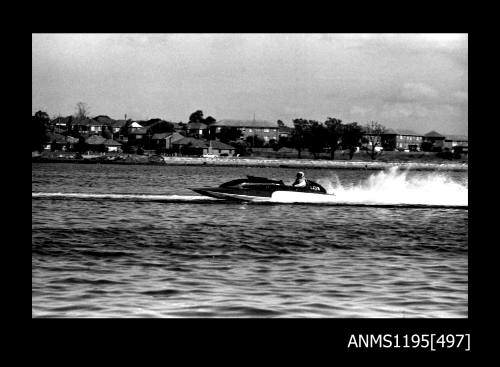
[(121, 197), (395, 187), (392, 188)]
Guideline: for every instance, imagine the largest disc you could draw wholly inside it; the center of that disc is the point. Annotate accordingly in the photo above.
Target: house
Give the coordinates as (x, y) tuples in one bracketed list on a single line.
[(117, 125), (104, 120), (117, 128), (112, 145), (435, 140), (138, 135), (379, 140), (198, 147), (285, 132), (163, 141), (190, 146), (401, 139), (88, 126), (133, 127), (180, 127), (55, 142), (265, 129), (81, 125), (98, 143), (457, 143), (62, 124), (219, 148), (197, 129), (97, 126), (71, 142)]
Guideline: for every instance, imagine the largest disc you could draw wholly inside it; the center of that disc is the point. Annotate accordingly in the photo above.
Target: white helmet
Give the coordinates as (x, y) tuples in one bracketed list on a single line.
[(300, 174)]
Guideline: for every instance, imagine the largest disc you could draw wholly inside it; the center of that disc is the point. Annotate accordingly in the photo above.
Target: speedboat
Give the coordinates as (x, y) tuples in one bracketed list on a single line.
[(255, 188)]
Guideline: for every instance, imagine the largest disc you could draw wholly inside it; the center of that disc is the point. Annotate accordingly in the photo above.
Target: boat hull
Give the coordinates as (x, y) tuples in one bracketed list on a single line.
[(232, 194), (248, 195)]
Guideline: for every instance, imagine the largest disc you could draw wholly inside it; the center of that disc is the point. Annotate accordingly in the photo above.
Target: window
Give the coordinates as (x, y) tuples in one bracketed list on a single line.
[(249, 130), (266, 130)]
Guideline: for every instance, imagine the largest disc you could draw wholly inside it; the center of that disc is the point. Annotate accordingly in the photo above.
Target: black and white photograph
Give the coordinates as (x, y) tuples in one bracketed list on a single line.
[(250, 175)]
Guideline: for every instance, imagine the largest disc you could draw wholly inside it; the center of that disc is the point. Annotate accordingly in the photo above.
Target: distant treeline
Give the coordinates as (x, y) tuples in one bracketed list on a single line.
[(317, 137)]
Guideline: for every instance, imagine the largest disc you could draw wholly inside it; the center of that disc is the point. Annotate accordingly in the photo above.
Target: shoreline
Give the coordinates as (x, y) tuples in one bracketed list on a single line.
[(281, 163)]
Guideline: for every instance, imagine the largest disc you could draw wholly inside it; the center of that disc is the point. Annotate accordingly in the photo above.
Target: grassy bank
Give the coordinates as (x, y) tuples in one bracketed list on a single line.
[(415, 162)]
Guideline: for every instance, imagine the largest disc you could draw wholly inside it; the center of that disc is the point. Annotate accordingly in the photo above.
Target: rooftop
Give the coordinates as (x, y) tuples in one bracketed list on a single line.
[(95, 140), (118, 123), (246, 123), (201, 143), (160, 136), (85, 122), (433, 134), (406, 132), (193, 142), (457, 138), (111, 142), (62, 120), (57, 138), (140, 130), (103, 119), (197, 125), (135, 124), (285, 129), (220, 145), (174, 135), (98, 140)]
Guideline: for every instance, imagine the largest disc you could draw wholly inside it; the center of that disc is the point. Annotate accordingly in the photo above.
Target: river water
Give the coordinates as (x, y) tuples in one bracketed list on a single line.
[(134, 241)]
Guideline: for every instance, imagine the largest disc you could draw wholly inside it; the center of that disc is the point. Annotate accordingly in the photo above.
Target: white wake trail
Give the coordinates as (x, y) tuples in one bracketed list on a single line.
[(391, 187), (136, 197)]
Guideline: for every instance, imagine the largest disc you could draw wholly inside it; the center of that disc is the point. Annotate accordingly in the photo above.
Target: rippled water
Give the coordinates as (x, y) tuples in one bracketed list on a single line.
[(134, 241)]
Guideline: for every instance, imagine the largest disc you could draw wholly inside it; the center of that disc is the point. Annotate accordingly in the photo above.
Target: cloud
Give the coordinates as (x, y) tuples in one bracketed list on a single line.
[(392, 78), (418, 92)]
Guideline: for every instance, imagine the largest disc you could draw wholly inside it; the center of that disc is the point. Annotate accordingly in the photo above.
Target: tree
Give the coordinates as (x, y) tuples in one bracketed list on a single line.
[(240, 147), (82, 110), (427, 146), (81, 146), (274, 145), (255, 141), (334, 130), (228, 134), (351, 137), (315, 138), (39, 130), (299, 135), (183, 127), (285, 141), (196, 116), (373, 135), (124, 129), (162, 126), (107, 132), (280, 123), (210, 120)]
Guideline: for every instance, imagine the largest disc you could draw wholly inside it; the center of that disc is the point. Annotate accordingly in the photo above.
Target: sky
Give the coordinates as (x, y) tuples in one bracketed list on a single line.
[(402, 81)]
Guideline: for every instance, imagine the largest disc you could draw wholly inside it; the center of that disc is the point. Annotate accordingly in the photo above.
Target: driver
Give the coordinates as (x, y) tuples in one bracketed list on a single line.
[(300, 181)]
